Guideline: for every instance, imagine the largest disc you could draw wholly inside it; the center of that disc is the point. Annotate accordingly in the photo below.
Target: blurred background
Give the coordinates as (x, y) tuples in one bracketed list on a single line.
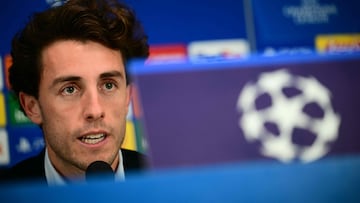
[(195, 30)]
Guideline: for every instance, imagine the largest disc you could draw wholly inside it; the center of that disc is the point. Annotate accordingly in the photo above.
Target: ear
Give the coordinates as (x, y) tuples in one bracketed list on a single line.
[(31, 107), (128, 94)]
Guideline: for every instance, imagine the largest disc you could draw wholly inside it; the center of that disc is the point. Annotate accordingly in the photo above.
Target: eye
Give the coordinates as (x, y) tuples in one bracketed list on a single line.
[(109, 86), (69, 90)]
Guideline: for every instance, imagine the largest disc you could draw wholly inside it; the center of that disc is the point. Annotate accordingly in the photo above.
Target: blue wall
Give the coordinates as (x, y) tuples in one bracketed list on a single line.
[(165, 21), (189, 20)]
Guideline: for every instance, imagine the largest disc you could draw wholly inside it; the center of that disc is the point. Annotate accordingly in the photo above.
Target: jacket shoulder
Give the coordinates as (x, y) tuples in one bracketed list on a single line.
[(28, 169), (133, 160)]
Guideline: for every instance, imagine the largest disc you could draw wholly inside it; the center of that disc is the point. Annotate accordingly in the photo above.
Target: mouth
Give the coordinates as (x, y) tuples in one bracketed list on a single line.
[(93, 138)]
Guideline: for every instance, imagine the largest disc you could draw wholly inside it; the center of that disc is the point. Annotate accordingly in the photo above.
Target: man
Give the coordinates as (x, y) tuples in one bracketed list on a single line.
[(70, 78)]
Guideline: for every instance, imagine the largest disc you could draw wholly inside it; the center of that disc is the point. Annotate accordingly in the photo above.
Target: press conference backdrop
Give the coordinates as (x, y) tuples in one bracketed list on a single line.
[(20, 139), (198, 30)]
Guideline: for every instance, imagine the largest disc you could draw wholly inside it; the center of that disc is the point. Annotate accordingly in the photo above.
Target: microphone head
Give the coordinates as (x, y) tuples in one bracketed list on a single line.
[(99, 169)]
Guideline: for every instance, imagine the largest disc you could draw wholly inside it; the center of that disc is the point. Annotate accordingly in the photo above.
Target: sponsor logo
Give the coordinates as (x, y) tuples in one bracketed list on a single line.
[(25, 145), (16, 116), (168, 53), (4, 148), (338, 43), (218, 49), (2, 110), (1, 75), (7, 64), (310, 12)]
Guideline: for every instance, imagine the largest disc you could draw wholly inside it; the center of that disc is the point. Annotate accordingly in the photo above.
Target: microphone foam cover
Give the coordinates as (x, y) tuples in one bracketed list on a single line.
[(99, 169)]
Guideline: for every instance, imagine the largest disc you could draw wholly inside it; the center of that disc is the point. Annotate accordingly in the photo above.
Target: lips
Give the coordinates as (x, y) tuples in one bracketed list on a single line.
[(93, 138)]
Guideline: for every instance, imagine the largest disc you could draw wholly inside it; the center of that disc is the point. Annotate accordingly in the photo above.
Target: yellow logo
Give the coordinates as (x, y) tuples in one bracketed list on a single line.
[(2, 111), (338, 43)]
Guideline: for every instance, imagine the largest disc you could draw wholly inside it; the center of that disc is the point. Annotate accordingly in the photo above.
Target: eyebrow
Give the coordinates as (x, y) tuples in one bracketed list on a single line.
[(78, 78), (65, 79), (111, 74)]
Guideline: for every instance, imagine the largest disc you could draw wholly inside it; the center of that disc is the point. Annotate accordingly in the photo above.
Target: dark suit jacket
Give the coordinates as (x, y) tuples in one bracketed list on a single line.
[(32, 169)]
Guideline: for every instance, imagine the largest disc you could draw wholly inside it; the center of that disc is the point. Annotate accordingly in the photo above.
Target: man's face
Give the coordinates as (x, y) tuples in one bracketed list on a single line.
[(83, 102)]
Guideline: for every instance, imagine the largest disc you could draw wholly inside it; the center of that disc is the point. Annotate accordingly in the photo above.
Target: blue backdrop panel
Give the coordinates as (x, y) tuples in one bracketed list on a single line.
[(164, 21), (295, 23), (184, 21)]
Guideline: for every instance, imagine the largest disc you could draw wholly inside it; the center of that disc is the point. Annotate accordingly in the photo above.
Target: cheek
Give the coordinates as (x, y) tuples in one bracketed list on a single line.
[(119, 104), (118, 110), (61, 115), (59, 120)]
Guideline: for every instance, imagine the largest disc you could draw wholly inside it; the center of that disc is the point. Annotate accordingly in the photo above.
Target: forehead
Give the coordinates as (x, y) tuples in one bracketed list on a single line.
[(75, 57)]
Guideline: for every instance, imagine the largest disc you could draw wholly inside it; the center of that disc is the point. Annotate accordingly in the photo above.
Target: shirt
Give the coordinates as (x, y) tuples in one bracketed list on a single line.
[(54, 178)]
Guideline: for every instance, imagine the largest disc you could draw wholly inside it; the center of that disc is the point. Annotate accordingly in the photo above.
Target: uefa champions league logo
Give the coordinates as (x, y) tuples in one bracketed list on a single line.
[(280, 109)]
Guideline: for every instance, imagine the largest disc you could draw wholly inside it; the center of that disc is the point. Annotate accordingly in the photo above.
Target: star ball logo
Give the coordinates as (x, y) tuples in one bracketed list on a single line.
[(290, 116)]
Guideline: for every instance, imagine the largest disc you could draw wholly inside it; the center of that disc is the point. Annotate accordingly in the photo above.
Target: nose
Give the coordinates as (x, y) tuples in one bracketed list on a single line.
[(92, 105)]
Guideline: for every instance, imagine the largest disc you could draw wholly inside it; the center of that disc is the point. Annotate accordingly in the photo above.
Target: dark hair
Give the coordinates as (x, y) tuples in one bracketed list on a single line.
[(107, 22)]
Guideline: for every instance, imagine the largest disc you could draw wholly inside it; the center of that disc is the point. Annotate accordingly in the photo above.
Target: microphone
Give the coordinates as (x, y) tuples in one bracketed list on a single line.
[(99, 169)]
